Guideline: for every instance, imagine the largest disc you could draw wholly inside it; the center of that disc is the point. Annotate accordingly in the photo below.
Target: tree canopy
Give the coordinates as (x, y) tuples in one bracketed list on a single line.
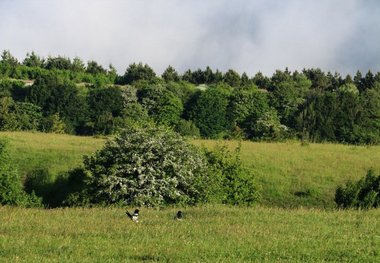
[(87, 99)]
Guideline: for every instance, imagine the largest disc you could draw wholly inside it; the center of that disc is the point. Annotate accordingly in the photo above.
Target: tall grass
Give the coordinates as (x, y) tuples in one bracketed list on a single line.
[(207, 234)]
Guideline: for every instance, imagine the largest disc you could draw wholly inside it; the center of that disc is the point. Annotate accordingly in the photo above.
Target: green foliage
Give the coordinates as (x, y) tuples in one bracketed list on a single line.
[(288, 93), (136, 72), (170, 74), (12, 88), (39, 181), (28, 116), (155, 167), (106, 104), (247, 105), (261, 81), (8, 58), (94, 68), (11, 188), (316, 117), (56, 95), (314, 104), (368, 122), (348, 88), (53, 94), (58, 63), (232, 78), (229, 181), (349, 110), (32, 60), (210, 111), (268, 127), (16, 116), (8, 119), (364, 193), (146, 167), (187, 128), (161, 104), (135, 113), (182, 90), (53, 123), (281, 169), (206, 76)]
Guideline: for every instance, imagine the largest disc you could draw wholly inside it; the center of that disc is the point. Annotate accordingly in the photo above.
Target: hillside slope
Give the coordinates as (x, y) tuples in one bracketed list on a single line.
[(290, 175)]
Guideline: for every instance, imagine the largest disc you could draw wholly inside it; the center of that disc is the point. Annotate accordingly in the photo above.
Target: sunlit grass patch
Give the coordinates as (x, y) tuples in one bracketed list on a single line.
[(207, 234)]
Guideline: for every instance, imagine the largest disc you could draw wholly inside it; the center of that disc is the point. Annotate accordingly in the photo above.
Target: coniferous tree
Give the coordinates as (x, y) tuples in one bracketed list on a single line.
[(136, 72), (170, 74)]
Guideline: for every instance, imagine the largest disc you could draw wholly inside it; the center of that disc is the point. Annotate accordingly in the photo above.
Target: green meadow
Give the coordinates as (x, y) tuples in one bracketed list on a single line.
[(295, 220), (288, 174), (291, 174), (56, 152), (207, 234)]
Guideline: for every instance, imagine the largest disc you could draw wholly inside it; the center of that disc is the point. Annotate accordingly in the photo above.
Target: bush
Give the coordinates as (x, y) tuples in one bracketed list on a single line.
[(187, 128), (268, 127), (53, 123), (364, 193), (154, 166), (147, 167), (229, 181), (11, 188)]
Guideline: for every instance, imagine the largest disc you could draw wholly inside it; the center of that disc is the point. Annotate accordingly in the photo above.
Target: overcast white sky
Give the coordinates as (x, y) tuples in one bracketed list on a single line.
[(245, 35)]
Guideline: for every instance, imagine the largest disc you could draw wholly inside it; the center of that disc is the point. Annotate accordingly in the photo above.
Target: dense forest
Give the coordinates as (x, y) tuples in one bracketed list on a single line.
[(63, 95)]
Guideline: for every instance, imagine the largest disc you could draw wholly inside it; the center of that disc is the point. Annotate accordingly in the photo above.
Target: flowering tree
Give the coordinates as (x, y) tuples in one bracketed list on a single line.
[(147, 167)]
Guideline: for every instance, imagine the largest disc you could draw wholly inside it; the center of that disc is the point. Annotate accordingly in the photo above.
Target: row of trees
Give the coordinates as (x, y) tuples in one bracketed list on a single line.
[(311, 104)]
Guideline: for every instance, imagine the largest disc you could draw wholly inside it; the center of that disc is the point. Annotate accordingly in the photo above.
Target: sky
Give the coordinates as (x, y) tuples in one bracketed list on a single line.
[(244, 35)]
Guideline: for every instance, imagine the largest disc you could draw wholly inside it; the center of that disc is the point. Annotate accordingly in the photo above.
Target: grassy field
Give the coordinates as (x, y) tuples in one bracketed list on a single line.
[(207, 234), (293, 175), (56, 152), (289, 174)]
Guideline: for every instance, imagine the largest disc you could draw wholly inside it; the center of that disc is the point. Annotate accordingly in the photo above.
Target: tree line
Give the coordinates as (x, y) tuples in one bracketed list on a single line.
[(69, 96)]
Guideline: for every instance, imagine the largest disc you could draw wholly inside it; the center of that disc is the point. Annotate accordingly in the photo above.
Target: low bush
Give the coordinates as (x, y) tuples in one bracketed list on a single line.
[(11, 188), (364, 193), (187, 128), (229, 181)]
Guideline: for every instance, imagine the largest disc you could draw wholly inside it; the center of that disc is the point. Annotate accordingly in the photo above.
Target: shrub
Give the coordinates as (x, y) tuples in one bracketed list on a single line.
[(268, 127), (364, 193), (147, 167), (154, 166), (11, 189), (187, 128), (230, 182), (53, 123)]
